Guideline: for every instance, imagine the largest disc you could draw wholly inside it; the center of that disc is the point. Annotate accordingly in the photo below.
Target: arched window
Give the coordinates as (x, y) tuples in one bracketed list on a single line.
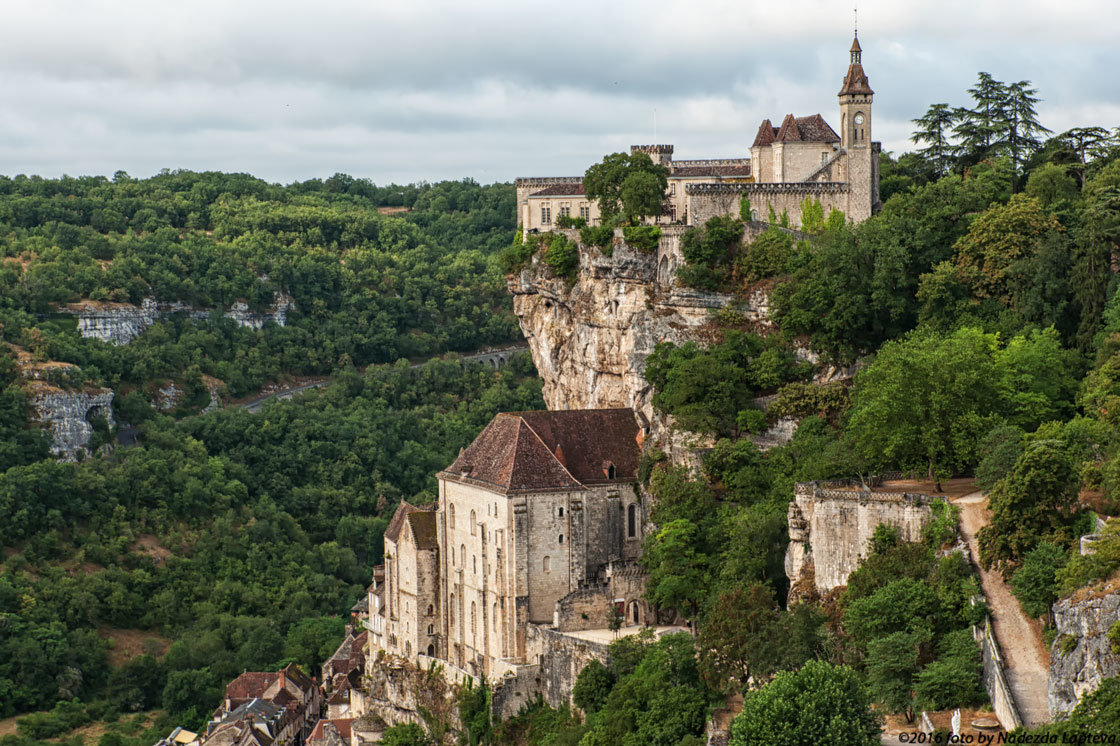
[(474, 563), (463, 556), (547, 564), (451, 514), (431, 629), (560, 512), (451, 611), (474, 528), (431, 651), (610, 472), (495, 617), (632, 521), (474, 620), (431, 610), (561, 539)]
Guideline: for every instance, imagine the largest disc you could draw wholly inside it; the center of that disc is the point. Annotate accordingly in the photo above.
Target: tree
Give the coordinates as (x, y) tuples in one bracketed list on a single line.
[(627, 185), (678, 573), (1034, 503), (1021, 122), (925, 400), (1035, 584), (979, 128), (820, 703), (934, 129), (137, 685), (892, 663), (735, 640), (408, 734), (592, 687)]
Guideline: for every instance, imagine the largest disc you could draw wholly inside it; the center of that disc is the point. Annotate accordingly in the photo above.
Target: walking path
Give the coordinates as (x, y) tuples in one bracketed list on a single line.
[(1019, 639)]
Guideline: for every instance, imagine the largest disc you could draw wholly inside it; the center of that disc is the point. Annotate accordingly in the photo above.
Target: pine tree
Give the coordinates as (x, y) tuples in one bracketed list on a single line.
[(933, 129), (979, 127), (1020, 124)]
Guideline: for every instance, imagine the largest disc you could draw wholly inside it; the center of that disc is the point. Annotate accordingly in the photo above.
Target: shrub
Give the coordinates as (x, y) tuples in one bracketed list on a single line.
[(517, 255), (562, 257), (769, 255), (567, 221), (800, 399), (644, 238), (955, 678), (600, 236), (752, 421), (1035, 584), (942, 527), (592, 687)]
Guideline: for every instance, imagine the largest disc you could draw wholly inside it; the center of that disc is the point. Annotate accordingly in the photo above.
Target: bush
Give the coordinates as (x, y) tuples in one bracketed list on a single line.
[(567, 221), (752, 421), (942, 527), (593, 686), (601, 236), (955, 679), (562, 257), (769, 255), (517, 255), (1035, 584), (800, 399), (644, 238)]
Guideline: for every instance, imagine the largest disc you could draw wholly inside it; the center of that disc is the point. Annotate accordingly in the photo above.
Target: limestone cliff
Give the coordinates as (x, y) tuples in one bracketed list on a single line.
[(120, 323), (1081, 656), (69, 416), (590, 339)]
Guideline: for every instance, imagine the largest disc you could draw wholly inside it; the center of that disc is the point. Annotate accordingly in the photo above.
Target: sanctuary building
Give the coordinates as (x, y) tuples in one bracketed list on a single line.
[(537, 523), (803, 157)]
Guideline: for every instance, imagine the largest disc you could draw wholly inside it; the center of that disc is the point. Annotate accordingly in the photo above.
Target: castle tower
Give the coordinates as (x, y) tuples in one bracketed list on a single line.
[(855, 137)]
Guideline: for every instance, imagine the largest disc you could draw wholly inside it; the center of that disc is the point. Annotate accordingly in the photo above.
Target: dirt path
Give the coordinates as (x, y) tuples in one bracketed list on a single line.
[(1019, 638)]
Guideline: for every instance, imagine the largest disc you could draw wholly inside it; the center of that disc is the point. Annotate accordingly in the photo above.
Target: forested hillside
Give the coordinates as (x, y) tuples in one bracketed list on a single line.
[(239, 540)]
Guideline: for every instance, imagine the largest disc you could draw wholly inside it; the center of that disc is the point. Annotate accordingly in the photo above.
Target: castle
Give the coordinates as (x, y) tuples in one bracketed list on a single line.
[(537, 524), (802, 158)]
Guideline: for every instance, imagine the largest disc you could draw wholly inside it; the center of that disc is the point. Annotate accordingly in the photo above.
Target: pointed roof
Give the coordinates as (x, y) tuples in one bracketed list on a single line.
[(540, 451), (800, 129), (789, 131), (855, 82), (422, 523), (766, 132)]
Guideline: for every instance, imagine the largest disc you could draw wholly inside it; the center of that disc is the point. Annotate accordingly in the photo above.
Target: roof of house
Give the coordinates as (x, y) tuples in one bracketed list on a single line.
[(341, 724), (250, 684), (796, 129), (560, 450), (856, 79), (560, 190), (421, 522)]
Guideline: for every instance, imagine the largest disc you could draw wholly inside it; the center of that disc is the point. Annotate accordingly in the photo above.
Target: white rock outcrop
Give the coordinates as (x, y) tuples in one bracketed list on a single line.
[(1082, 623), (120, 323), (68, 415)]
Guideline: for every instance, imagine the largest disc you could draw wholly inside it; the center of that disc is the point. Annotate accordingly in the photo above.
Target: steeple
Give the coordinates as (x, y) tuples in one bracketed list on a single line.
[(855, 82), (856, 50)]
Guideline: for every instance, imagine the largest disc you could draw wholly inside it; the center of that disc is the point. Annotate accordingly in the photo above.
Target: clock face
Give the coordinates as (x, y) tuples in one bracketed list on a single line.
[(858, 119)]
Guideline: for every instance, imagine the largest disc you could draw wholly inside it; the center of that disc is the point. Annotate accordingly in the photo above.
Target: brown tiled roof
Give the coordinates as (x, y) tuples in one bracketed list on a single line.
[(249, 685), (517, 452), (856, 81), (766, 133), (423, 525), (803, 129), (855, 45), (712, 171), (296, 675), (342, 724), (393, 531), (559, 190)]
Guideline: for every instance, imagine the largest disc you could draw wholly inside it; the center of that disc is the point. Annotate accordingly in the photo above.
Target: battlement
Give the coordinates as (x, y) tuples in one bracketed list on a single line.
[(543, 181), (701, 162), (796, 187), (652, 149)]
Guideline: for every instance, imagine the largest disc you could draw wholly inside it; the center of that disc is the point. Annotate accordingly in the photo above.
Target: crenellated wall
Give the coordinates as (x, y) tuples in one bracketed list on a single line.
[(832, 527), (710, 200)]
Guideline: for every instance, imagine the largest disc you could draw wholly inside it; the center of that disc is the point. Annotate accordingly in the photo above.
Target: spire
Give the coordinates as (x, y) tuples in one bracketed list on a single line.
[(855, 82)]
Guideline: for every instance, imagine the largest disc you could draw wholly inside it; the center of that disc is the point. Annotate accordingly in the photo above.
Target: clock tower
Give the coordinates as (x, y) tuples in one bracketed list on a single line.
[(855, 135)]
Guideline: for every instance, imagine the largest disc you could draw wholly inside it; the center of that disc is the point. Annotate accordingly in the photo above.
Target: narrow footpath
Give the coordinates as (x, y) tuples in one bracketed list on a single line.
[(1019, 638)]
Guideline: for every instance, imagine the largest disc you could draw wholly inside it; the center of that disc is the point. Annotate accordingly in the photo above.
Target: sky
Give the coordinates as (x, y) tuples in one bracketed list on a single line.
[(425, 90)]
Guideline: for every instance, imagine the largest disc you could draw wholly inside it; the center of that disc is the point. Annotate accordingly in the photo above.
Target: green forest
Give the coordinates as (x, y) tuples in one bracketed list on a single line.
[(976, 319)]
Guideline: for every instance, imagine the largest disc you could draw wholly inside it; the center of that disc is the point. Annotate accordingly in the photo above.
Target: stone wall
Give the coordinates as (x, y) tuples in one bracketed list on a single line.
[(560, 659), (832, 527), (995, 681), (1082, 623), (67, 414), (710, 200)]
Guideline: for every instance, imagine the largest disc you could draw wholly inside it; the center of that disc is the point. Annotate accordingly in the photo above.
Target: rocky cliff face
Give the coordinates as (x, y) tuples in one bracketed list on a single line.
[(1082, 623), (69, 415), (120, 323), (590, 340)]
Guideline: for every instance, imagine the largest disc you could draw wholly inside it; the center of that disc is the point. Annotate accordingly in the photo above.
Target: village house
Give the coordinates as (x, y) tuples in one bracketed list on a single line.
[(265, 708)]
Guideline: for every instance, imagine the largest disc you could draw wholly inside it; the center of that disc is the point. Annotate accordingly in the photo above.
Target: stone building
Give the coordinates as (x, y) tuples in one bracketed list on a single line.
[(538, 523), (278, 707), (802, 158)]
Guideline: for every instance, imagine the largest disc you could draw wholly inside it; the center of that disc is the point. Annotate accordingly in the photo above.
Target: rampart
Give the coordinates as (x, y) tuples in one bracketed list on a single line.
[(710, 200), (995, 682), (831, 525)]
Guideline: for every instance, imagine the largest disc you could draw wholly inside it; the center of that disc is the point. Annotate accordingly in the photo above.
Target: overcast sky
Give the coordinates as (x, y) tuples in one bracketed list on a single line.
[(415, 90)]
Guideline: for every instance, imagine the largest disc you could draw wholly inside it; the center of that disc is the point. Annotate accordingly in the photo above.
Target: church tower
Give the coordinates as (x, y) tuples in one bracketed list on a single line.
[(855, 137)]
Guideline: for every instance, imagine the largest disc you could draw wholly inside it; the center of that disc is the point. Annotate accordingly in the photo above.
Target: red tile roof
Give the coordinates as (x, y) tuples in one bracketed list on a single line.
[(856, 79), (766, 133), (561, 450), (250, 685), (342, 724), (560, 190)]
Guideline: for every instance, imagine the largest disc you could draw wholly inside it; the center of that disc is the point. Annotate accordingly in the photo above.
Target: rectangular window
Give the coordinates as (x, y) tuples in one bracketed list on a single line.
[(824, 158), (546, 215), (566, 211), (673, 189), (585, 212)]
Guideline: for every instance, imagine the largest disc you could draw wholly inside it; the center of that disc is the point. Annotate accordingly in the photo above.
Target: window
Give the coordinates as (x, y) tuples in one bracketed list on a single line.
[(474, 527), (547, 564), (632, 521), (610, 471), (585, 212), (561, 512), (451, 514), (474, 620), (565, 211), (824, 158), (431, 629), (431, 651), (561, 539), (495, 617), (673, 189), (474, 563), (546, 215), (463, 555), (451, 611), (431, 610)]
